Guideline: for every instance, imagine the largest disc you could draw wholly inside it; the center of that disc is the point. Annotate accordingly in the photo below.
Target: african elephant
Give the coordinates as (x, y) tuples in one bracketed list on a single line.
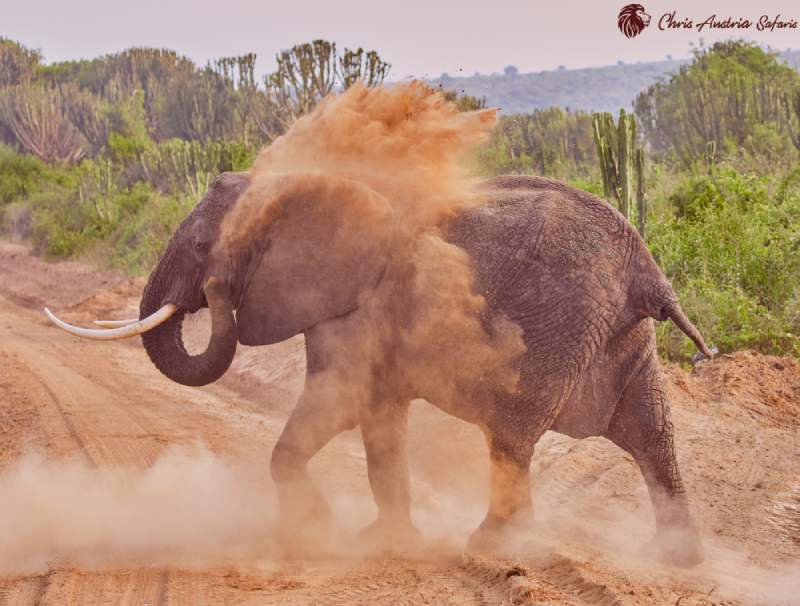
[(562, 265)]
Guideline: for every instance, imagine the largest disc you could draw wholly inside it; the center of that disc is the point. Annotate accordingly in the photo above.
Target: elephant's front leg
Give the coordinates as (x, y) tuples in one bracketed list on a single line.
[(384, 427), (317, 418)]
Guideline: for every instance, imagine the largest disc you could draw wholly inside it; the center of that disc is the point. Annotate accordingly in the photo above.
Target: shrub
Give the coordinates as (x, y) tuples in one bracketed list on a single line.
[(60, 225), (178, 166), (552, 142), (20, 175), (16, 221), (137, 244), (726, 95), (593, 187), (67, 221), (732, 251)]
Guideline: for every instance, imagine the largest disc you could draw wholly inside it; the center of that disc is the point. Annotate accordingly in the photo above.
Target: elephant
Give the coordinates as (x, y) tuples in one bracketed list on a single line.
[(561, 265)]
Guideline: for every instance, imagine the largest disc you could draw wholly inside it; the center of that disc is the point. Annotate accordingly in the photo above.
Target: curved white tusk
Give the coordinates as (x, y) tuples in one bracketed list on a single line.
[(115, 323), (123, 332)]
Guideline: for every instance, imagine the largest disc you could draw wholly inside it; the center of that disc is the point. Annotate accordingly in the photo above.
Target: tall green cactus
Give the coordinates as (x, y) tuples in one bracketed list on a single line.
[(641, 197), (710, 156), (621, 164)]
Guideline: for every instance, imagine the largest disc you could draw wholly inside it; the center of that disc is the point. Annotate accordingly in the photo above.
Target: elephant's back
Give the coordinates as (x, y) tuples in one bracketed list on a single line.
[(535, 222), (549, 257)]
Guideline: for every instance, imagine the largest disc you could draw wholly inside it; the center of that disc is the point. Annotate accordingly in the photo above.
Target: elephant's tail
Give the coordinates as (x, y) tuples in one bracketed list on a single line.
[(673, 311), (656, 298)]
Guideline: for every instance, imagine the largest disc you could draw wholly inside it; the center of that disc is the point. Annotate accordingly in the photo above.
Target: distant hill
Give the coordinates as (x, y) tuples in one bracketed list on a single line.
[(605, 88)]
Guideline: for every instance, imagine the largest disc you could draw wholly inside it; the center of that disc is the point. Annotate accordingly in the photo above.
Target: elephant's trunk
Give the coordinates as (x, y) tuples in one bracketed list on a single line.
[(164, 344)]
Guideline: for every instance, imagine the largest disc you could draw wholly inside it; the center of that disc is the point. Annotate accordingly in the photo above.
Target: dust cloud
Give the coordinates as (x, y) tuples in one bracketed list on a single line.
[(407, 148), (190, 507), (405, 142)]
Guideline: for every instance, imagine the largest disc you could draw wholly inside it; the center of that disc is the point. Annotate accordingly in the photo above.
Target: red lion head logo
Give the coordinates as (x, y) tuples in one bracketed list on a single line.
[(632, 20)]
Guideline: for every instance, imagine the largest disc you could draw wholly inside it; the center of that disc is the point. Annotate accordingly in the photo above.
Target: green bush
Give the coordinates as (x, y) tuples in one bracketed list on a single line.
[(69, 221), (137, 244), (20, 175), (732, 250), (593, 187), (130, 202), (60, 225), (178, 166), (16, 220), (551, 142), (730, 94)]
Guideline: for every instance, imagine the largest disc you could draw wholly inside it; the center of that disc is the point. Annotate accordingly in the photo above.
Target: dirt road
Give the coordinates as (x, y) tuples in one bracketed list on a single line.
[(87, 428)]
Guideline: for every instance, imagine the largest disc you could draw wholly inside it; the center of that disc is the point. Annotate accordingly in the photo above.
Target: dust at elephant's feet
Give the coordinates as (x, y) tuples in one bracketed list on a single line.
[(306, 536), (678, 546), (393, 537), (496, 537)]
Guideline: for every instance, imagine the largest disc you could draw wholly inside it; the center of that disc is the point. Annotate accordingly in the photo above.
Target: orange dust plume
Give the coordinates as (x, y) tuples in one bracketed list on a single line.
[(405, 142), (357, 193)]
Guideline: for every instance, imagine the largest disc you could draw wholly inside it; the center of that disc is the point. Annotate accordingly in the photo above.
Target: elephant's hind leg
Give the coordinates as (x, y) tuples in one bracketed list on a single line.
[(642, 426), (510, 501), (304, 515)]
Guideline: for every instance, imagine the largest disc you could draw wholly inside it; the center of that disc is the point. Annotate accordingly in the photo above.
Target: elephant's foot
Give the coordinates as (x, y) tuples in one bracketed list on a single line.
[(495, 536), (304, 530), (677, 545), (397, 536)]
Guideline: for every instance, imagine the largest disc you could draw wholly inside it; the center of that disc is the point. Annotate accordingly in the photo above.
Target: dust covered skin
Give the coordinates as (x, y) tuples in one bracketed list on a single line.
[(137, 512)]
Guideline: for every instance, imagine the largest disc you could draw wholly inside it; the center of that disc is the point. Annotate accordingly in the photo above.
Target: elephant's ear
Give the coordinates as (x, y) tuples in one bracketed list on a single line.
[(323, 254)]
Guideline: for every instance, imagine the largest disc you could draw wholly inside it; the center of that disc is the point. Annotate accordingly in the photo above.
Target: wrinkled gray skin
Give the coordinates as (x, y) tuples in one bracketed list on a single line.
[(563, 265)]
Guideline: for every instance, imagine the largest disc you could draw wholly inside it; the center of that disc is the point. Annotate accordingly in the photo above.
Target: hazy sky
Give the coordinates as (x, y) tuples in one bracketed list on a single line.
[(419, 37)]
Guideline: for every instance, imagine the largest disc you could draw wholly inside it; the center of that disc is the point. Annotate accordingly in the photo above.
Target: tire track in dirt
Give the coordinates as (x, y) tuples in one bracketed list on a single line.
[(543, 579), (109, 433), (567, 576), (784, 514), (24, 389), (392, 582), (24, 591), (64, 381), (567, 482), (65, 419)]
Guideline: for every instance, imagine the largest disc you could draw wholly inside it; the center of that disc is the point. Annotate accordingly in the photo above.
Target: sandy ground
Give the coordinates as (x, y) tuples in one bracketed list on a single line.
[(120, 487)]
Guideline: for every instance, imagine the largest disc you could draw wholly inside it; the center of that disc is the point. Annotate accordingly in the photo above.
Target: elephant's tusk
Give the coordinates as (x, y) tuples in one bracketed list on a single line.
[(123, 332), (115, 323)]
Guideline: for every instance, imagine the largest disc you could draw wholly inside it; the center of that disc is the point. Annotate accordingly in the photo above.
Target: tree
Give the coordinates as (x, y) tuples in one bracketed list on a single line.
[(791, 107), (621, 164), (35, 113), (197, 107), (143, 93), (722, 96), (464, 102), (306, 73), (87, 112), (359, 65), (17, 63), (552, 142), (158, 75)]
